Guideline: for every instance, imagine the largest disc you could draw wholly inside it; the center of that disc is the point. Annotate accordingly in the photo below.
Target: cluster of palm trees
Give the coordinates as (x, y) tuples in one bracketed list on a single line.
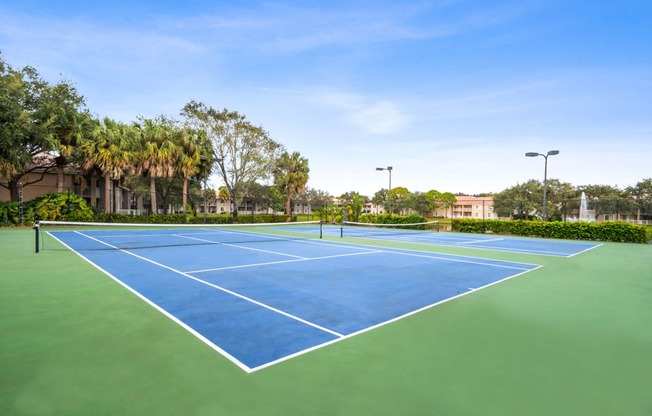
[(154, 147), (46, 127), (160, 148)]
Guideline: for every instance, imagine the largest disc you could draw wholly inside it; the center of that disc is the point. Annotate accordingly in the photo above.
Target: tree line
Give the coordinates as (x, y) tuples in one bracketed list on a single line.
[(524, 201), (46, 128)]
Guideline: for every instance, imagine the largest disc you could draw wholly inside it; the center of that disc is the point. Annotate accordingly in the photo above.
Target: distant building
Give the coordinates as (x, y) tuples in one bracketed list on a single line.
[(474, 207), (469, 207)]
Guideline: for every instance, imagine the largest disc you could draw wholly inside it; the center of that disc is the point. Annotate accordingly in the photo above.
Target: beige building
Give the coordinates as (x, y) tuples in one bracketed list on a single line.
[(89, 186), (474, 207), (469, 207)]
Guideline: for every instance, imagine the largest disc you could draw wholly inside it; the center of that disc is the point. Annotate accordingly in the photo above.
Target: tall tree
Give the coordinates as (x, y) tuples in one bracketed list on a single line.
[(193, 153), (603, 199), (109, 150), (381, 198), (244, 153), (157, 152), (34, 115), (317, 198), (356, 206), (642, 194), (223, 194), (420, 202), (290, 176), (557, 191), (447, 200), (519, 201), (525, 200), (435, 200), (70, 125), (262, 197), (399, 199), (353, 204)]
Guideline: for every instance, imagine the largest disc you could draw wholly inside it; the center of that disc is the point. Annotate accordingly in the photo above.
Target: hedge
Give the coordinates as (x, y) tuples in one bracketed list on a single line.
[(601, 231), (53, 206), (188, 219), (70, 207)]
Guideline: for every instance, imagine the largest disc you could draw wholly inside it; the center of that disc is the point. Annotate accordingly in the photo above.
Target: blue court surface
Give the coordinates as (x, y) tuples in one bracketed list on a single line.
[(259, 303), (539, 246)]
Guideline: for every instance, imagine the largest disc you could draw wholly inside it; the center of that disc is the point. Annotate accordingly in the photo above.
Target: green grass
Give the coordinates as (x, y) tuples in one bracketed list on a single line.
[(571, 338)]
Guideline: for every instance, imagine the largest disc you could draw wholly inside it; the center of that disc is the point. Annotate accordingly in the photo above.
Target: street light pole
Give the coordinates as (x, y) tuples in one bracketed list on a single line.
[(389, 201), (545, 175)]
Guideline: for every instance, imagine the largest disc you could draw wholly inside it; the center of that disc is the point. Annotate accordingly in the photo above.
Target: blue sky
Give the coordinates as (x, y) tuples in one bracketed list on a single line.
[(450, 93)]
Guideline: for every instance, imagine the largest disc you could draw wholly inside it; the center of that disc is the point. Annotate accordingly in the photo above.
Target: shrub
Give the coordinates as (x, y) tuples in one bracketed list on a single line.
[(9, 214), (141, 219), (61, 207), (53, 206), (601, 231)]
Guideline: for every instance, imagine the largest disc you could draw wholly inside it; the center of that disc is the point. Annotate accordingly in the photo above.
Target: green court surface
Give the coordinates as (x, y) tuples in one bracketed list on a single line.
[(573, 337)]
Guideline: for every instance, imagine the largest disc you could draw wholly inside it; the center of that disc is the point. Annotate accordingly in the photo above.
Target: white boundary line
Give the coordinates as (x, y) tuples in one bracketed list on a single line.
[(354, 245), (160, 309), (459, 261), (230, 292), (339, 336), (503, 250), (378, 249), (239, 246), (414, 312), (480, 241), (242, 266), (228, 356), (584, 251), (444, 244)]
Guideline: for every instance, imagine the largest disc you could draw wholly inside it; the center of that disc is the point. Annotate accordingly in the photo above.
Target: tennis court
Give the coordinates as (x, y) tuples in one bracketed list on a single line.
[(260, 298), (569, 337), (402, 232)]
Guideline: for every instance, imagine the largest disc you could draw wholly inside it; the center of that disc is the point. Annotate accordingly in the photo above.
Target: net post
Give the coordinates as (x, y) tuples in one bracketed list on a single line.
[(342, 230), (36, 233), (321, 228)]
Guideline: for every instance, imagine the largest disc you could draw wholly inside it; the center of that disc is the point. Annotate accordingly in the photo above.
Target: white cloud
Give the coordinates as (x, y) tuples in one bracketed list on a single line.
[(281, 28), (373, 116), (382, 117), (313, 76)]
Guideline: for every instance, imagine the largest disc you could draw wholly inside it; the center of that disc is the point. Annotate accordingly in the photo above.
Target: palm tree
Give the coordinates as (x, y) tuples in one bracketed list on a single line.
[(291, 175), (157, 152), (108, 149), (70, 137), (223, 194), (193, 157)]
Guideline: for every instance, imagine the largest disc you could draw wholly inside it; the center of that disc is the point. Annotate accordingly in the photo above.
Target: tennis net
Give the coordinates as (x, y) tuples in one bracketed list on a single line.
[(373, 230), (125, 236)]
